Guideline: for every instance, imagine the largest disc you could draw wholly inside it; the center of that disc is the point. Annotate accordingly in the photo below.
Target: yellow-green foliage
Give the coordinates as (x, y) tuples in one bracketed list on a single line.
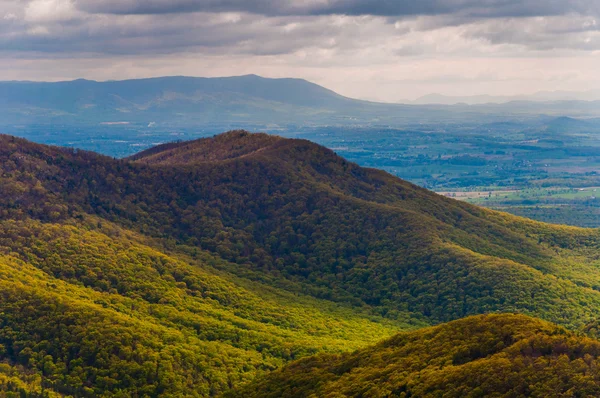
[(195, 267), (18, 382), (480, 356), (95, 314)]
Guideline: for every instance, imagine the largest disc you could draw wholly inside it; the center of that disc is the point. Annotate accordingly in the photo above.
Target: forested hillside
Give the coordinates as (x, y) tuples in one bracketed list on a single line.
[(481, 356), (295, 215), (194, 267), (91, 310)]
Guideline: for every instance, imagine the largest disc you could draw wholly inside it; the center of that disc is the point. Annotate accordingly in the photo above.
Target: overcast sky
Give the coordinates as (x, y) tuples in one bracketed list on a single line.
[(374, 49)]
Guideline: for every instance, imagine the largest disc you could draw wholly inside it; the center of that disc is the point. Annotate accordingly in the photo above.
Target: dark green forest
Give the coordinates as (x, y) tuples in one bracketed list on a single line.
[(193, 268)]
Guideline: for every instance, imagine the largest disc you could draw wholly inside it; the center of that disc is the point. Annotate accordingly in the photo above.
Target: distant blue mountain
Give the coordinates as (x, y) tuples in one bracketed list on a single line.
[(173, 99), (541, 96), (244, 100), (148, 92)]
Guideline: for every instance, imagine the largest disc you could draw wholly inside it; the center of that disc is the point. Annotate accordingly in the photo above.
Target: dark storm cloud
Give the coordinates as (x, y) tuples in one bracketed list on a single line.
[(159, 34), (391, 8), (467, 8)]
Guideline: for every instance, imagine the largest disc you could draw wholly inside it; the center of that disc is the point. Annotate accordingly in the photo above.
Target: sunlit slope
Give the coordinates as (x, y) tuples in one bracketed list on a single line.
[(18, 381), (294, 215), (481, 356), (91, 310)]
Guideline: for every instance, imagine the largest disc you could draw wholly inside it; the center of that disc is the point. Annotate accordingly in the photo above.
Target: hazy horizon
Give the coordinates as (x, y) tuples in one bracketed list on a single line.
[(594, 94)]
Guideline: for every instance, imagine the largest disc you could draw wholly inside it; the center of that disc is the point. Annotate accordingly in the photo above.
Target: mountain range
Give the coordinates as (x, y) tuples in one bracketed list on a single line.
[(198, 268), (200, 103), (541, 96)]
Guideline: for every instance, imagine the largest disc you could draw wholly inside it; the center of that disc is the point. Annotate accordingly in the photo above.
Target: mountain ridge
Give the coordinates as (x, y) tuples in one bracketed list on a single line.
[(233, 102), (243, 252), (305, 195), (540, 96), (487, 355), (228, 145)]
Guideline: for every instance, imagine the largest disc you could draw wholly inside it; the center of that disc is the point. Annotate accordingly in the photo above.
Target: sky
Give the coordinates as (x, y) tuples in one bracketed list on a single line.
[(381, 50)]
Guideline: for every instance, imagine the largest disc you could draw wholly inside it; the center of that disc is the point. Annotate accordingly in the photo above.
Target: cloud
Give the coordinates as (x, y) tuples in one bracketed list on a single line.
[(267, 27), (307, 38), (156, 34), (50, 11), (540, 34), (474, 8)]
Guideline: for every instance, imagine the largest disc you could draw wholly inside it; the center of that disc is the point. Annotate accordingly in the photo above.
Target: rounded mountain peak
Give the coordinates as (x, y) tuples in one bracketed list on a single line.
[(229, 145)]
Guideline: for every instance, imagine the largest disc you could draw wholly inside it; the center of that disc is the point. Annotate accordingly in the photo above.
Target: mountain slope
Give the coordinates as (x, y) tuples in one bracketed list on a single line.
[(192, 268), (493, 355), (294, 215), (16, 381), (93, 311)]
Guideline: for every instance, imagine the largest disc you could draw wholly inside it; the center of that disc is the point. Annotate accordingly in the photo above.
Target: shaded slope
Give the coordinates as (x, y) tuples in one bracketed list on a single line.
[(493, 355), (293, 214)]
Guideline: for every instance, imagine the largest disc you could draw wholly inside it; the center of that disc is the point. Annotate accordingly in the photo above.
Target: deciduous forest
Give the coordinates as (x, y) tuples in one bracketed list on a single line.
[(210, 267)]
